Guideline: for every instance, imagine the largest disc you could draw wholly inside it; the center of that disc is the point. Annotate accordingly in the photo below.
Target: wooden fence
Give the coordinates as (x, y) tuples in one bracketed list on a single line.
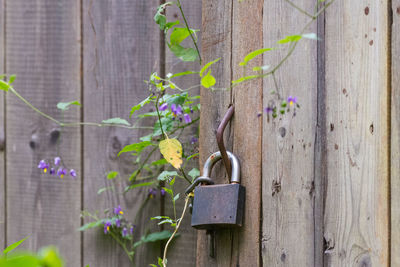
[(323, 188), (97, 52)]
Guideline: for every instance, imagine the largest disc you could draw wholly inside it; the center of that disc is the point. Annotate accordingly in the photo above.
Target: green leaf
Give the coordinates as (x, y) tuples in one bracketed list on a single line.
[(253, 54), (176, 197), (203, 69), (194, 173), (171, 24), (138, 185), (177, 99), (159, 217), (136, 147), (4, 85), (11, 79), (91, 225), (111, 175), (50, 257), (242, 79), (159, 162), (260, 68), (116, 121), (180, 34), (161, 20), (290, 38), (166, 174), (182, 74), (157, 236), (208, 80), (184, 54), (141, 104), (14, 245), (192, 156), (101, 190), (167, 124), (65, 105), (169, 191)]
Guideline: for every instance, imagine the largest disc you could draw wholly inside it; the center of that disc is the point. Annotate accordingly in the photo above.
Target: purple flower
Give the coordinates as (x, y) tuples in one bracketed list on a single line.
[(176, 109), (191, 110), (194, 140), (124, 232), (164, 107), (162, 191), (72, 172), (118, 223), (131, 230), (107, 226), (57, 161), (52, 171), (292, 100), (118, 211), (61, 172), (268, 110), (187, 118), (43, 165), (152, 192), (180, 119)]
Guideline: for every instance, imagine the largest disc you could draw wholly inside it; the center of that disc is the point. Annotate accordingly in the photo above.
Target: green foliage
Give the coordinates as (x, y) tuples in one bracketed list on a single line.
[(65, 105), (194, 173), (166, 175), (136, 147), (116, 121), (13, 246), (208, 80), (4, 85), (153, 237), (46, 257), (253, 54), (111, 175)]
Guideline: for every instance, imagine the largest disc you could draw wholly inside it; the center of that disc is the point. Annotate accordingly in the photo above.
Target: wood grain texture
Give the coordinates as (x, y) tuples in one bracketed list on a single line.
[(216, 42), (395, 138), (183, 250), (121, 49), (43, 49), (2, 130), (247, 36), (357, 212), (288, 142)]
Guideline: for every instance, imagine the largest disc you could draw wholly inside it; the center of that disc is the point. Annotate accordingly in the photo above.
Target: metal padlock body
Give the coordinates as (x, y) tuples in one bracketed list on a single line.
[(222, 205)]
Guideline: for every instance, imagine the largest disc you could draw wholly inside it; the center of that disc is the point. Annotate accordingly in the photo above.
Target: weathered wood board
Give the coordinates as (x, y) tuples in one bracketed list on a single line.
[(216, 42), (43, 49), (288, 182), (356, 228), (395, 138), (2, 131), (121, 49), (183, 250)]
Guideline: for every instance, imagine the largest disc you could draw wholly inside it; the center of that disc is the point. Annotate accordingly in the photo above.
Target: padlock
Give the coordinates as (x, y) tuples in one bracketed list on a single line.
[(218, 205)]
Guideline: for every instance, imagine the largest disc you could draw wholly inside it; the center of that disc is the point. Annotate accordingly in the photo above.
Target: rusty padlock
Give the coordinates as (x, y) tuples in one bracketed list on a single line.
[(218, 205)]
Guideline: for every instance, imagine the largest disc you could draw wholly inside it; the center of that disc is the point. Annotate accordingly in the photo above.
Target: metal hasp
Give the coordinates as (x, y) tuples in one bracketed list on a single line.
[(222, 205), (220, 138)]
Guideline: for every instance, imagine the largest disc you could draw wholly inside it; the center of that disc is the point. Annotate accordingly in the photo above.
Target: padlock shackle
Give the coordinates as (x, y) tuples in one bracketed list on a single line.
[(235, 177)]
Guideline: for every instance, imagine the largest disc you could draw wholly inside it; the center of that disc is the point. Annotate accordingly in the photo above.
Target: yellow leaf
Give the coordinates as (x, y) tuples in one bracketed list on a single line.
[(171, 149)]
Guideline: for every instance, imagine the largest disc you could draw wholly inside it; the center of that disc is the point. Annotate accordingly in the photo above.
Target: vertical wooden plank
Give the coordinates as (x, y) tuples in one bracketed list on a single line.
[(288, 142), (183, 250), (395, 138), (43, 49), (216, 42), (121, 49), (357, 212), (2, 178), (247, 36)]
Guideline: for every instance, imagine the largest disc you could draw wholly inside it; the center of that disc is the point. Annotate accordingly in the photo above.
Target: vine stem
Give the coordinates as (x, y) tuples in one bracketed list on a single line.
[(176, 229), (299, 9), (187, 27), (71, 124)]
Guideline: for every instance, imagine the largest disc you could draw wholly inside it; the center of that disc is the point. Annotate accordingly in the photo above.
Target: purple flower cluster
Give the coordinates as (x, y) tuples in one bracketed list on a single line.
[(177, 111), (119, 223), (153, 192), (283, 108), (61, 171)]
